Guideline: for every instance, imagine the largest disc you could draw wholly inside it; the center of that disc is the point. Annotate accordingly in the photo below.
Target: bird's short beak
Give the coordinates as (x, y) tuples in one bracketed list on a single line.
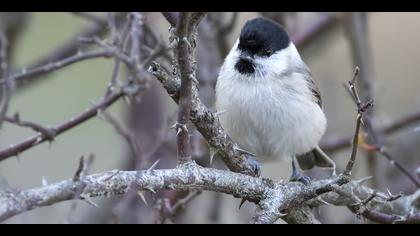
[(246, 58)]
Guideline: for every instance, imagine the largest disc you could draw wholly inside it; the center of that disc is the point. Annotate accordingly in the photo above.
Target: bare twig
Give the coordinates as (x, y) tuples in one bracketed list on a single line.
[(185, 95), (119, 42), (47, 132), (356, 26), (4, 69), (361, 108), (65, 50), (398, 165), (124, 132), (18, 148), (393, 127), (53, 66)]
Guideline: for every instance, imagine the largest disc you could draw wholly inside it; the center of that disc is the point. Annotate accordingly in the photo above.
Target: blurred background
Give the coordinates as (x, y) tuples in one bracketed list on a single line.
[(384, 46)]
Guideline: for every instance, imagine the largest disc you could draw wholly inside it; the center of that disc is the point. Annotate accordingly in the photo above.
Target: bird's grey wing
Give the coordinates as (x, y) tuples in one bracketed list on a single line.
[(314, 89), (316, 157)]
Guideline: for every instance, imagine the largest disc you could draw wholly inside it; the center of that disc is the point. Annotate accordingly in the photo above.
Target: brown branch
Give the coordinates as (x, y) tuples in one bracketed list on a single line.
[(31, 142), (356, 27), (53, 66), (123, 132), (361, 108), (65, 50), (398, 165), (119, 42), (4, 72), (47, 132), (344, 142), (185, 94)]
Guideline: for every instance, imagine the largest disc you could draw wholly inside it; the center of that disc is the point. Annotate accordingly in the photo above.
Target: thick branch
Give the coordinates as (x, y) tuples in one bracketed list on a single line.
[(185, 95), (186, 176)]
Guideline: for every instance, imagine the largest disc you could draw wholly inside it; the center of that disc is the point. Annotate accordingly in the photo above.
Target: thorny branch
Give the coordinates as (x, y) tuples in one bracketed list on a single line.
[(47, 132), (185, 95), (4, 72)]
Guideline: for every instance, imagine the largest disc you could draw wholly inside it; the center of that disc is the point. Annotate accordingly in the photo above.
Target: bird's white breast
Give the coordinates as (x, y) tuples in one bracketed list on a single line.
[(269, 116)]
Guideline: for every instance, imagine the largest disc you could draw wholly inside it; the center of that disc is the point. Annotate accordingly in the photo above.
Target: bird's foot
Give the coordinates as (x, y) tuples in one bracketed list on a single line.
[(297, 175), (254, 164), (251, 160)]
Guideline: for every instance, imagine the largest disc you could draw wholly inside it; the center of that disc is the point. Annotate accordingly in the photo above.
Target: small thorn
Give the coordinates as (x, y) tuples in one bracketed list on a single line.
[(178, 131), (243, 200), (127, 100), (389, 192), (363, 180), (324, 202), (38, 140), (194, 80), (219, 113), (153, 165), (142, 197), (282, 214), (44, 181), (243, 151), (90, 202), (213, 152), (171, 187), (174, 43), (186, 41), (151, 190)]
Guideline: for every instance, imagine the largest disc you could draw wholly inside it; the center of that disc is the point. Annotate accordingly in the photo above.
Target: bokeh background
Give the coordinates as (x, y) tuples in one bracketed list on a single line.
[(390, 57)]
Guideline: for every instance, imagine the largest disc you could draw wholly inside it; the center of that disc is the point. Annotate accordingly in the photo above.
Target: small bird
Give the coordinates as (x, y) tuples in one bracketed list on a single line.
[(267, 100)]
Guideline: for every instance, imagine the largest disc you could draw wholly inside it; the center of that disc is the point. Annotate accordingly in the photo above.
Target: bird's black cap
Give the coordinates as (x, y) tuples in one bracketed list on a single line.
[(263, 37)]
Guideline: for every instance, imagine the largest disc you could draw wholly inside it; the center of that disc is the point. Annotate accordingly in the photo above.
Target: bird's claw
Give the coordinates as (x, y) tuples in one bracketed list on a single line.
[(297, 176), (254, 164)]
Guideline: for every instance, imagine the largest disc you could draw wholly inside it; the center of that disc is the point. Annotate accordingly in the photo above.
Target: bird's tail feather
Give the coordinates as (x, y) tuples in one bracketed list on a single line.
[(316, 157)]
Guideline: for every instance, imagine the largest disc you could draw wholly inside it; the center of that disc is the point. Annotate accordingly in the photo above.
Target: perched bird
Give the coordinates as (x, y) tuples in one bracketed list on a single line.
[(268, 102)]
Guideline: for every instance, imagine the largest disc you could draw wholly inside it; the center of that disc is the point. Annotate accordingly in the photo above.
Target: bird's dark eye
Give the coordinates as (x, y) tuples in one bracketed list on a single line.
[(268, 53)]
